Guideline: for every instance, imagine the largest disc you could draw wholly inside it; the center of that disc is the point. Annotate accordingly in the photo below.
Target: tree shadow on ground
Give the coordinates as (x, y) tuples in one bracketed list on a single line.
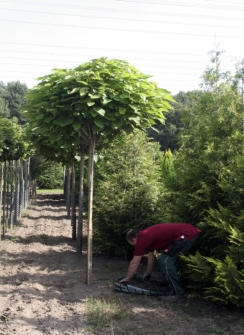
[(55, 200), (61, 273), (47, 217), (43, 239), (49, 209)]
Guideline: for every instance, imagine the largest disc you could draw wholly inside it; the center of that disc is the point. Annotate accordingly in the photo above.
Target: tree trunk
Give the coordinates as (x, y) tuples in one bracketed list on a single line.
[(73, 206), (68, 192), (90, 201), (21, 191), (81, 195), (28, 181), (65, 183), (8, 195), (12, 195), (16, 200)]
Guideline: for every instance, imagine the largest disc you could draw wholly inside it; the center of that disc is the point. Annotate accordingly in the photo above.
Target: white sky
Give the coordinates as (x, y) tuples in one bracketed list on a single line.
[(168, 39)]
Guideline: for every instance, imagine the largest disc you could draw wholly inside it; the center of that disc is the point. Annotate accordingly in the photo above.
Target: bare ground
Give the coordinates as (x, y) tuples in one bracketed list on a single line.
[(43, 290)]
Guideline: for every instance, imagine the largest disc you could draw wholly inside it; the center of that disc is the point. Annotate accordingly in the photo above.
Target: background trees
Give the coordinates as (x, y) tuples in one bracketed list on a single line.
[(48, 174), (12, 99), (13, 143), (167, 133)]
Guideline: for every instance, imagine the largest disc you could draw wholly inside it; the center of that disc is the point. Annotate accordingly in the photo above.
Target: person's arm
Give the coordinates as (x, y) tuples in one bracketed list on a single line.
[(134, 263), (150, 262)]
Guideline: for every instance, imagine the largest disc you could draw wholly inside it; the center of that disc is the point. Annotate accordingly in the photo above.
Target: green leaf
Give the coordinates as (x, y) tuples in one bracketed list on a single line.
[(94, 96), (101, 111), (90, 103), (106, 101), (143, 97), (82, 82), (155, 129), (83, 91), (135, 119), (99, 123), (122, 110), (64, 121), (76, 89), (76, 126)]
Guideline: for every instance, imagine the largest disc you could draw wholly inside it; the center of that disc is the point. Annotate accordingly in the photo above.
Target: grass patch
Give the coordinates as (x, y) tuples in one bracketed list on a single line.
[(52, 191), (102, 312)]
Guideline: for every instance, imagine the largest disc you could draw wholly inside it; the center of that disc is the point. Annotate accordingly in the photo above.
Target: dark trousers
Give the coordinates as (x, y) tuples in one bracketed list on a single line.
[(169, 266)]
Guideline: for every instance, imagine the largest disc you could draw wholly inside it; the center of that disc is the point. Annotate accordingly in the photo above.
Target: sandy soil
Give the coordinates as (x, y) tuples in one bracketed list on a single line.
[(43, 290), (41, 276)]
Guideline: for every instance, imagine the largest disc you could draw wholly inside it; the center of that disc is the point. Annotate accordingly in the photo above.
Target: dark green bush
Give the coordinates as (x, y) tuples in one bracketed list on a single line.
[(127, 189), (206, 188)]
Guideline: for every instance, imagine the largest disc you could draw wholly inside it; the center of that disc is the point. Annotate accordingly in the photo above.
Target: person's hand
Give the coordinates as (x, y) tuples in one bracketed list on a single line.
[(124, 280)]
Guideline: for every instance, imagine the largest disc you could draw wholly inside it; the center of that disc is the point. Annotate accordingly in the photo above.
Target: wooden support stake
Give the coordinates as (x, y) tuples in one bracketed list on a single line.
[(73, 205), (81, 195), (90, 201)]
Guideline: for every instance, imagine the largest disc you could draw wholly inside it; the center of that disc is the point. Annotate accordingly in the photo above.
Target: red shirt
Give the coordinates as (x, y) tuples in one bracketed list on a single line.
[(160, 236)]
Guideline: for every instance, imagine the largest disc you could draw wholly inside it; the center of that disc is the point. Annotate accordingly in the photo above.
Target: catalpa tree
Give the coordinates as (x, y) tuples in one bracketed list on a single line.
[(91, 104)]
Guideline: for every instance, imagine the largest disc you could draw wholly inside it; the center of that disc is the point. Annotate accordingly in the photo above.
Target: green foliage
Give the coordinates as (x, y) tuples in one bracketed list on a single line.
[(97, 99), (127, 190), (213, 138), (48, 174), (206, 188), (12, 99), (12, 140), (167, 134)]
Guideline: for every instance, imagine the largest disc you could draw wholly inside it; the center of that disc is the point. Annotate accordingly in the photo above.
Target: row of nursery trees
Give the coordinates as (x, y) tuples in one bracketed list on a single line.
[(106, 104), (14, 170)]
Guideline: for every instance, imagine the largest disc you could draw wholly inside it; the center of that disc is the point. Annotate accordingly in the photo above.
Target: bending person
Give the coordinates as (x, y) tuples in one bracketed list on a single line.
[(171, 239)]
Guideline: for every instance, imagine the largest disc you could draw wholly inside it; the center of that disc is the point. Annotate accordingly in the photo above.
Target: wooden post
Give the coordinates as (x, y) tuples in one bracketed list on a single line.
[(68, 192), (16, 200), (25, 184), (90, 201), (73, 205), (81, 195), (65, 182), (7, 194), (11, 220), (21, 188), (28, 180)]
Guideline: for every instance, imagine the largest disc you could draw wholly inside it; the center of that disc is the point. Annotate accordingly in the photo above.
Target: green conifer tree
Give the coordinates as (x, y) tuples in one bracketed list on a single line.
[(207, 189)]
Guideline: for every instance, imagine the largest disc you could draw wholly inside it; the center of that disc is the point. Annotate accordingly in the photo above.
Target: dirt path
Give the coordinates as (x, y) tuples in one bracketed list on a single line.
[(42, 289), (41, 275)]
